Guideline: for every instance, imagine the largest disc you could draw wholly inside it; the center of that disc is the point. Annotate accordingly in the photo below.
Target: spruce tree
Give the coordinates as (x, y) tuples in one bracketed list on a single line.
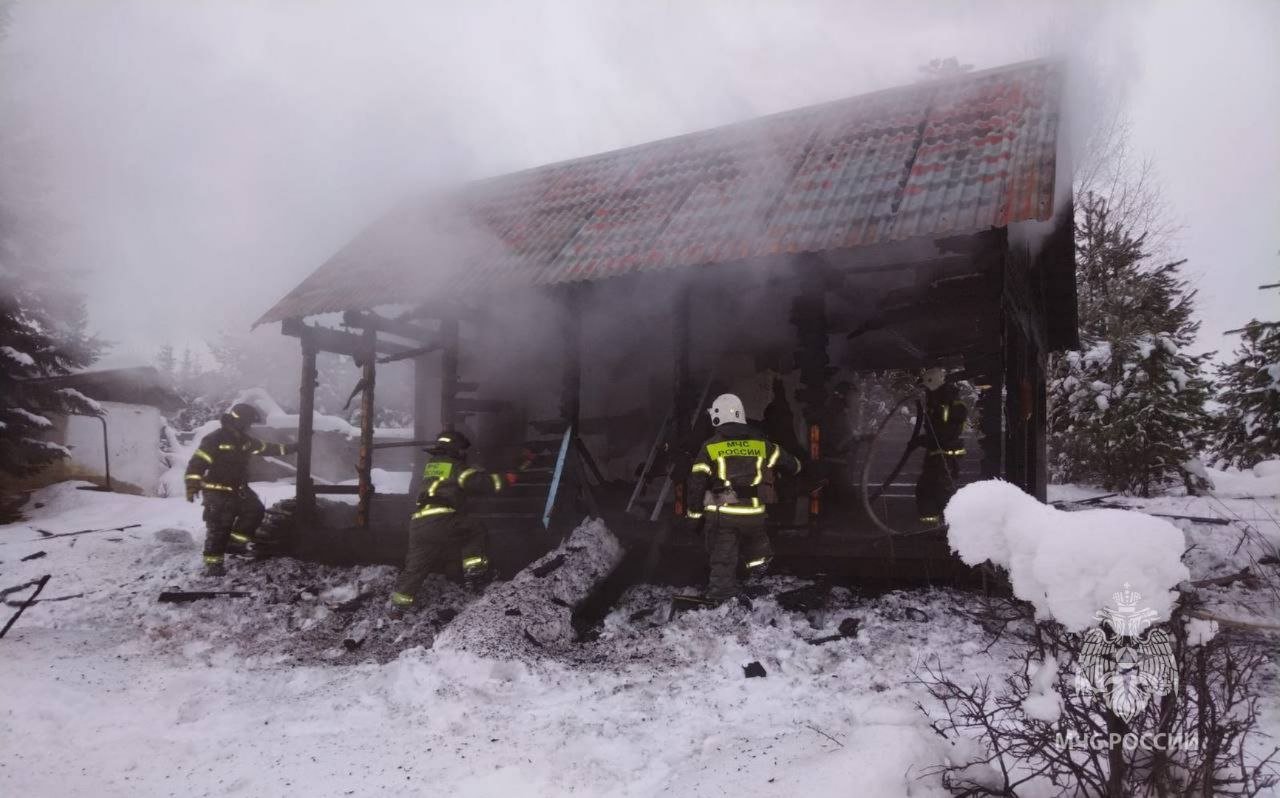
[(1128, 410), (41, 335), (166, 361), (1248, 426)]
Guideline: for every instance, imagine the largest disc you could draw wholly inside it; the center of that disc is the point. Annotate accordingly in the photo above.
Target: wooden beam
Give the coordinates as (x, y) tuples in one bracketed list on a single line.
[(449, 373), (344, 490), (404, 329), (423, 427), (305, 490), (338, 342), (364, 467)]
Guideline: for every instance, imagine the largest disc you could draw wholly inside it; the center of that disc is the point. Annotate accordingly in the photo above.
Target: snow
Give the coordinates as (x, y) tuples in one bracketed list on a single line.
[(21, 358), (1042, 702), (1263, 480), (32, 418), (1068, 565), (1200, 631), (121, 696), (75, 395)]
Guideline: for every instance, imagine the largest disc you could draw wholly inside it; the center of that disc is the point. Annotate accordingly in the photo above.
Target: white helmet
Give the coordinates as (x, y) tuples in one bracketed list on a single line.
[(934, 379), (725, 409)]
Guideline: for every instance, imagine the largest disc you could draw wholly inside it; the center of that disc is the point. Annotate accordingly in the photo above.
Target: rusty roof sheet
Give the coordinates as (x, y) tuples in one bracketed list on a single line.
[(929, 159)]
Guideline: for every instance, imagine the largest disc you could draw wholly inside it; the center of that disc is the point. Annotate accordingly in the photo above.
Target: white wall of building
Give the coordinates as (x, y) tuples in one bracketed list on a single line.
[(133, 435)]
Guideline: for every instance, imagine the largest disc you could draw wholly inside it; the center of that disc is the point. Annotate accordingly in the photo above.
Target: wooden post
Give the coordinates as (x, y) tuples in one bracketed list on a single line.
[(681, 399), (364, 469), (423, 429), (571, 385), (306, 496), (448, 373), (809, 317), (1017, 411)]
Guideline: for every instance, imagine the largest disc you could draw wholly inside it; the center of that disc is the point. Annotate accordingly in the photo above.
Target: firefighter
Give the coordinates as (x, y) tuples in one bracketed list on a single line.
[(441, 528), (724, 482), (220, 469), (942, 438)]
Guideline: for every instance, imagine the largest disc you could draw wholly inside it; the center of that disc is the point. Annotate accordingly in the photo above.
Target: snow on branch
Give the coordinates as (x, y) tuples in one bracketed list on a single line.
[(1067, 565)]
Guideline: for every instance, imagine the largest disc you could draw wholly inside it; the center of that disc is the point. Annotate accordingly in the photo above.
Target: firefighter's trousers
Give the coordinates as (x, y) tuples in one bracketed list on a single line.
[(439, 544), (938, 482), (730, 540), (237, 512)]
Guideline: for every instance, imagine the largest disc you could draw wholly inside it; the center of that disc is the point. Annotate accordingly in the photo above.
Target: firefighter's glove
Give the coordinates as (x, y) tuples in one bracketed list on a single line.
[(193, 488)]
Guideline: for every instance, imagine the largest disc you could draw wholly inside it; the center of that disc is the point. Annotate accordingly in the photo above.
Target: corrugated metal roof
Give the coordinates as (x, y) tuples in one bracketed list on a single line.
[(924, 160)]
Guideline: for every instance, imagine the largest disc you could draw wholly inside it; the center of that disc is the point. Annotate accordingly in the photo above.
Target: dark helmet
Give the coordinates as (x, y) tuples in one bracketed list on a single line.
[(450, 443), (242, 416)]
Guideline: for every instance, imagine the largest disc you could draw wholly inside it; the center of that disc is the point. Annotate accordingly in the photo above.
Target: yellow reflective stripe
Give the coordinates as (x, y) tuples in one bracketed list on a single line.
[(948, 452), (729, 509), (759, 471), (701, 468), (773, 458), (262, 447), (465, 475), (226, 447), (212, 559), (282, 449), (497, 483), (946, 413), (432, 510), (240, 537), (431, 490), (401, 599), (693, 514), (216, 486), (194, 476), (758, 563), (472, 562), (930, 519), (722, 466), (205, 456)]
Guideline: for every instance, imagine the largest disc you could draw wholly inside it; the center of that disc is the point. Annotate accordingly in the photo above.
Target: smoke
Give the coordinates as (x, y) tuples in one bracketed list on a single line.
[(201, 158)]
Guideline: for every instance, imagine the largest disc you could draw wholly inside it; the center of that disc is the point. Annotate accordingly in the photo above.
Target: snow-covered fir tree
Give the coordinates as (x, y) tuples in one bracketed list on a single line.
[(1128, 410), (1248, 428), (42, 334)]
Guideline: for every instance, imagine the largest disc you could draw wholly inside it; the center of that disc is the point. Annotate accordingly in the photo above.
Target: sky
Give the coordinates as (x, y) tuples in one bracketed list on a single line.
[(201, 158)]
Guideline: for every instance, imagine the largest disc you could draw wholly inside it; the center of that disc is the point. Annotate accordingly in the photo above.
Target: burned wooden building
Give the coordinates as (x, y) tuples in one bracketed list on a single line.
[(576, 317)]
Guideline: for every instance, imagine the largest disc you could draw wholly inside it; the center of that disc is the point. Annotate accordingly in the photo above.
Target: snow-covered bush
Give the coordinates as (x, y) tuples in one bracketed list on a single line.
[(1067, 565)]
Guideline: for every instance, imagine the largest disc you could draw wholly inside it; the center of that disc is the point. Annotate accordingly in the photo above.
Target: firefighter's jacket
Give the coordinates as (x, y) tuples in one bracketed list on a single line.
[(945, 416), (221, 462), (446, 482), (729, 469)]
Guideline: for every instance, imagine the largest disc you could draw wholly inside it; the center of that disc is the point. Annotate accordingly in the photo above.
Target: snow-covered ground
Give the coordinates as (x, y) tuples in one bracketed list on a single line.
[(113, 693)]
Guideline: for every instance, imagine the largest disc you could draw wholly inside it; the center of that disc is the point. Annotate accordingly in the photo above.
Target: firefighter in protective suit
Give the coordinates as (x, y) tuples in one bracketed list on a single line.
[(220, 469), (440, 528), (942, 438), (724, 491)]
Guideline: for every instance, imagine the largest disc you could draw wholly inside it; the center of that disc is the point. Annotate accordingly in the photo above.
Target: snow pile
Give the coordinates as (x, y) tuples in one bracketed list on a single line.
[(534, 611), (1067, 564), (1263, 480), (1042, 701)]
